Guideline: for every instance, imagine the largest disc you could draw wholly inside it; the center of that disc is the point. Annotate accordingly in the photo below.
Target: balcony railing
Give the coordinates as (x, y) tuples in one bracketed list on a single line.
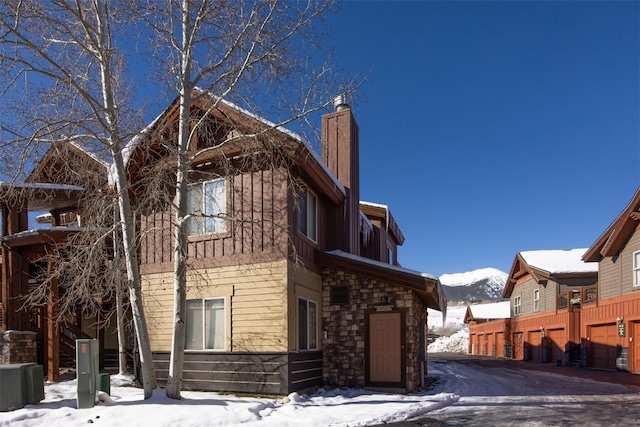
[(575, 299)]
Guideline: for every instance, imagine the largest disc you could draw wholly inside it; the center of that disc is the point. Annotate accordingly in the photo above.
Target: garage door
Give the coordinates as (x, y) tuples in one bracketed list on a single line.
[(534, 343), (490, 343), (556, 345), (473, 342), (602, 346), (499, 344)]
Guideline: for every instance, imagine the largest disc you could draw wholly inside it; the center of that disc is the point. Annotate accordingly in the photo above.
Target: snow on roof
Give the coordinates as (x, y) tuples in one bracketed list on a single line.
[(40, 186), (559, 261), (498, 310), (353, 257), (90, 154), (128, 150)]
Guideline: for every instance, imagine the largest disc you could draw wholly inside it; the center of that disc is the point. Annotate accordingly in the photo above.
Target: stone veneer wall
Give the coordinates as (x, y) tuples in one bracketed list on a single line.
[(18, 347), (343, 351)]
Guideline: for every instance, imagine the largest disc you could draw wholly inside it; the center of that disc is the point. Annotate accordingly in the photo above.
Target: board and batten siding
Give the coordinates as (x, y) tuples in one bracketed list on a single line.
[(256, 231), (255, 304), (615, 274)]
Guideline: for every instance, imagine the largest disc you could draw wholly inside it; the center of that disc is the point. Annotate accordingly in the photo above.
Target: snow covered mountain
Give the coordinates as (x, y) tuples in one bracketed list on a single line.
[(485, 284)]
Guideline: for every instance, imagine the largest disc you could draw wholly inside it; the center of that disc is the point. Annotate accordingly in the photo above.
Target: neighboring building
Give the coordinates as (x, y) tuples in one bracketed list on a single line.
[(546, 290), (578, 307), (489, 328), (24, 249), (611, 328)]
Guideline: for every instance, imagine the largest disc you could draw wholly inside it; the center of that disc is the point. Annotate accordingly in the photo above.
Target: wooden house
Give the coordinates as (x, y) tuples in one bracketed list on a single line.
[(489, 329), (610, 328), (547, 290), (57, 194), (293, 281)]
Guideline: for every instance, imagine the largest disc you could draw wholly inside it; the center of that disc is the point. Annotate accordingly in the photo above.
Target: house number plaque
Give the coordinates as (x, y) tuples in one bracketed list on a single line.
[(622, 330), (384, 307)]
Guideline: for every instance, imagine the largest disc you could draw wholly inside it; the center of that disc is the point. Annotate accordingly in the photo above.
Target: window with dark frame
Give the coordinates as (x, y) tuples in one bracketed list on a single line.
[(207, 203), (308, 214)]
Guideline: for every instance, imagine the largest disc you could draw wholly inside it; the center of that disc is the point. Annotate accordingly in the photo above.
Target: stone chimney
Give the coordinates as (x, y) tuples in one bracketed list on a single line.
[(341, 154)]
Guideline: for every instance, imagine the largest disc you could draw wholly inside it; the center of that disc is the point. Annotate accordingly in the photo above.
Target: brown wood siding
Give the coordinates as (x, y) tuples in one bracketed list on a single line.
[(525, 291), (270, 373), (616, 273), (257, 232)]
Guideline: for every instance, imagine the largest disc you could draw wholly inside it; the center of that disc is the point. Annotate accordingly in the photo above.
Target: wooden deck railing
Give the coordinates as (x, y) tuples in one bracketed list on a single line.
[(588, 295)]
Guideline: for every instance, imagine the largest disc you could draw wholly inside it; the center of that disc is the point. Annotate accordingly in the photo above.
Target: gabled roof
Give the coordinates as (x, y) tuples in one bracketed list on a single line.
[(486, 312), (226, 111), (383, 212), (53, 161), (610, 243), (548, 264), (426, 286), (42, 197)]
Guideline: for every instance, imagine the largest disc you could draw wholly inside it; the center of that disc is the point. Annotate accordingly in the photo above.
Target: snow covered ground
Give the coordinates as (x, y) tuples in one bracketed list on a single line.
[(456, 343), (465, 394)]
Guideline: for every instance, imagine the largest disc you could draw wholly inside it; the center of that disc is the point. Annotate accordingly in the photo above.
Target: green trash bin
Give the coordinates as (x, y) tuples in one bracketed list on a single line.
[(104, 383)]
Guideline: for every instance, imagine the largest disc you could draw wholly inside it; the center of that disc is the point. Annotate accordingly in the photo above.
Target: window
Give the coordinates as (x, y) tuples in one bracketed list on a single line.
[(536, 300), (207, 202), (307, 325), (636, 268), (517, 306), (308, 214), (205, 324)]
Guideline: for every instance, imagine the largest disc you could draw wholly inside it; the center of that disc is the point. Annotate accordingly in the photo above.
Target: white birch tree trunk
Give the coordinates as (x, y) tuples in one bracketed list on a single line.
[(174, 381)]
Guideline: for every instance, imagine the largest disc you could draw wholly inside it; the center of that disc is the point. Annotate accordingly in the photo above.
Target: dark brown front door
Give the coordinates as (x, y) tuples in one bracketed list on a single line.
[(385, 363)]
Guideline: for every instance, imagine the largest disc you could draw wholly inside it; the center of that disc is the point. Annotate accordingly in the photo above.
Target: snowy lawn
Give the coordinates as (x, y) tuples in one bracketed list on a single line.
[(463, 392), (126, 407)]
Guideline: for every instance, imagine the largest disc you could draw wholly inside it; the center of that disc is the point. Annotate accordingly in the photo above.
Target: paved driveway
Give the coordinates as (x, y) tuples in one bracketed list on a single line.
[(499, 392)]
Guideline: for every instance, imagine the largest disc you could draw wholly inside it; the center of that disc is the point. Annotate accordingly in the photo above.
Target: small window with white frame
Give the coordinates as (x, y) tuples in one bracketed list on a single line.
[(307, 324), (207, 204), (536, 300), (205, 325), (517, 306), (636, 268), (308, 213)]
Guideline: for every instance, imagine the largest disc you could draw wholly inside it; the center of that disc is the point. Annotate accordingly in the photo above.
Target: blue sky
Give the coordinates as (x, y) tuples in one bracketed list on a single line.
[(491, 128)]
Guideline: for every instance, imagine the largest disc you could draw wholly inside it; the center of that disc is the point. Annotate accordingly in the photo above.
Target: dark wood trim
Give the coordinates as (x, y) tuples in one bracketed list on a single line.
[(270, 373)]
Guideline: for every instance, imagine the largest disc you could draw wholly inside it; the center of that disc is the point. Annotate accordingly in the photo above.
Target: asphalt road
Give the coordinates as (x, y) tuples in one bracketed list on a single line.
[(498, 392)]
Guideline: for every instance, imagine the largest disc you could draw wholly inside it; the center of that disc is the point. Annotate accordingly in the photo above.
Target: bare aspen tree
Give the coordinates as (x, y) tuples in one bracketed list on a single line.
[(63, 81), (256, 55)]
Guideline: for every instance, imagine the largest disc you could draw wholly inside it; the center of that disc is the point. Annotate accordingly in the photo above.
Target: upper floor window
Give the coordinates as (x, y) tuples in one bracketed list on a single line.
[(205, 326), (636, 268), (536, 300), (207, 202), (307, 324), (517, 306), (308, 214)]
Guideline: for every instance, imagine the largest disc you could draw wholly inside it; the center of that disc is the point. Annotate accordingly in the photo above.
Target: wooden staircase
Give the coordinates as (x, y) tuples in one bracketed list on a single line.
[(69, 333)]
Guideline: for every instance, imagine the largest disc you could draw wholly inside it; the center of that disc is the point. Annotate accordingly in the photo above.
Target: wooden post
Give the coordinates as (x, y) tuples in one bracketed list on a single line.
[(52, 333)]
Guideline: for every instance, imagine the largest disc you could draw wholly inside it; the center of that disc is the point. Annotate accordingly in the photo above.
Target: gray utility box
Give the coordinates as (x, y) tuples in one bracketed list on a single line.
[(87, 358), (20, 384)]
